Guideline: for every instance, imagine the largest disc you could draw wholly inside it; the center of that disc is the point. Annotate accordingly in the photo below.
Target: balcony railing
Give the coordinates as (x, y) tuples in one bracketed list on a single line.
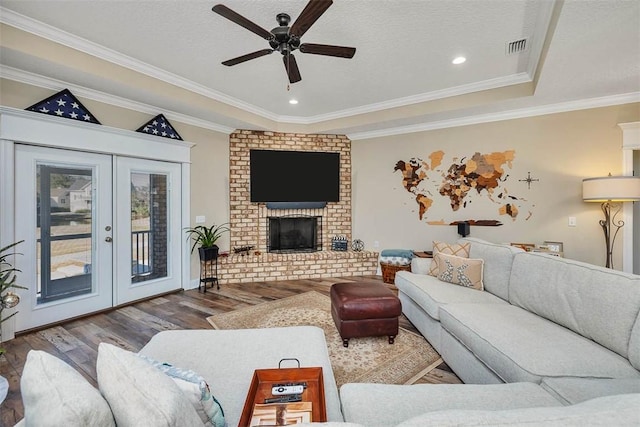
[(141, 244)]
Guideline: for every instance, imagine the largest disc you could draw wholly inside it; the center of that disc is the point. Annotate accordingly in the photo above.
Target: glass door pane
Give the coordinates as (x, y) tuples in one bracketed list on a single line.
[(148, 226), (64, 245)]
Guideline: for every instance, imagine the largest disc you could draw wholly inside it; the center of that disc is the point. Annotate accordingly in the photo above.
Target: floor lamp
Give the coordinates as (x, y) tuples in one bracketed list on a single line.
[(611, 191)]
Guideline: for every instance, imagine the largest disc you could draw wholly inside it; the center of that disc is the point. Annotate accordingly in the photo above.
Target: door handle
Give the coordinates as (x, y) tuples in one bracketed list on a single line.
[(108, 239)]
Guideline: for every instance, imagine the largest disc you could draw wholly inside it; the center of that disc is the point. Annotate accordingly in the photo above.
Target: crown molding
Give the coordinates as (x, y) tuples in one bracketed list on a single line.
[(56, 35), (562, 107), (57, 85), (53, 84), (412, 99)]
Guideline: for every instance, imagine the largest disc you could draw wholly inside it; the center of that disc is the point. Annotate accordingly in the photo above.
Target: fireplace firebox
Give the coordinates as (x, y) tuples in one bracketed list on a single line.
[(289, 234)]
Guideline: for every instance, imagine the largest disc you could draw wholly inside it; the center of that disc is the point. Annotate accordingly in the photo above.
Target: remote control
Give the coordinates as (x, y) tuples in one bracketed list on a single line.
[(291, 389), (285, 399)]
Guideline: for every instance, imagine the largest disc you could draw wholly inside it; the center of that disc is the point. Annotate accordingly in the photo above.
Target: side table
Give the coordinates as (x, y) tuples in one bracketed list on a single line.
[(209, 273), (423, 254)]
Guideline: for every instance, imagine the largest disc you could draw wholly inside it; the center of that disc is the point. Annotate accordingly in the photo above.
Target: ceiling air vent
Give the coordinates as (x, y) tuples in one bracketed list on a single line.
[(517, 46)]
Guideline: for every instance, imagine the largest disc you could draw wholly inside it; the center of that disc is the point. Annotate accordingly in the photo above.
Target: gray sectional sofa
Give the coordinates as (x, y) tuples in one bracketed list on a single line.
[(549, 342), (539, 317)]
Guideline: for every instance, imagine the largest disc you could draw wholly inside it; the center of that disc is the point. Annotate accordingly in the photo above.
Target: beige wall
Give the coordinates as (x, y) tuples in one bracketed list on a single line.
[(559, 149)]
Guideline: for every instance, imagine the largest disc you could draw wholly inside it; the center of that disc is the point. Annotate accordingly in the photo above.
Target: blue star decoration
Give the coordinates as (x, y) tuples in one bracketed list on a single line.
[(160, 126), (64, 104)]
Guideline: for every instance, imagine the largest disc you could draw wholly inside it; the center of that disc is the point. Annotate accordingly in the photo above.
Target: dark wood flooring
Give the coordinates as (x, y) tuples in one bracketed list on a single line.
[(131, 327)]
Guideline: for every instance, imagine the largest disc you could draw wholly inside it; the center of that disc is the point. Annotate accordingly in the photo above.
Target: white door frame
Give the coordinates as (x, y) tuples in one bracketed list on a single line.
[(630, 142), (44, 130)]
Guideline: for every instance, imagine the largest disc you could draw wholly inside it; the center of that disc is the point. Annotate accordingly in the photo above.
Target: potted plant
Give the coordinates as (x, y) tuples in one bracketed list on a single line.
[(8, 299), (205, 239)]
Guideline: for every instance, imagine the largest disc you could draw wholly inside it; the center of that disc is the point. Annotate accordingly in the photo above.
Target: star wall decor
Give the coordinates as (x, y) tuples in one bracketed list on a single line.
[(160, 126), (64, 104)]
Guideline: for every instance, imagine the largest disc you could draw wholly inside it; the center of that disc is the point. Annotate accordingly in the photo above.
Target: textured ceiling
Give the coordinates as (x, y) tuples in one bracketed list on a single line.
[(580, 49)]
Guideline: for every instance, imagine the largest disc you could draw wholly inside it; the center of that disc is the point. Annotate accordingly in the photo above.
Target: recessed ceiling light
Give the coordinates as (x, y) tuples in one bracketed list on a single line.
[(459, 60), (293, 101)]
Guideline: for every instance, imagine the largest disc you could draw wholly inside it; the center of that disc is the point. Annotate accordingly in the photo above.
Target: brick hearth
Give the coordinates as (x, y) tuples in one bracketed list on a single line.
[(248, 221)]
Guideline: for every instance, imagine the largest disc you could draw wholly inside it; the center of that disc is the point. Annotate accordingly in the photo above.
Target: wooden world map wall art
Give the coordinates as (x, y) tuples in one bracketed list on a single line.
[(459, 181)]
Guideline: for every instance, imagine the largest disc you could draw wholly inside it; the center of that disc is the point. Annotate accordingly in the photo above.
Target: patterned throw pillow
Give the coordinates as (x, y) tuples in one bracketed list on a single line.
[(457, 249), (460, 271)]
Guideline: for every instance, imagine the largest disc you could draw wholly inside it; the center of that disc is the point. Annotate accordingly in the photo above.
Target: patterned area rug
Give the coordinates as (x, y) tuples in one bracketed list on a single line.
[(371, 360)]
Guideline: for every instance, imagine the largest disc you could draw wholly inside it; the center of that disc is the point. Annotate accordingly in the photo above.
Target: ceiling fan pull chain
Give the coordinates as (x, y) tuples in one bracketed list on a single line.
[(288, 84)]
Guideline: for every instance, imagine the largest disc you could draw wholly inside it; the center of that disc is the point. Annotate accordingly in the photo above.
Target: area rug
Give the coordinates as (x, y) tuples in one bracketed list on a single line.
[(371, 360)]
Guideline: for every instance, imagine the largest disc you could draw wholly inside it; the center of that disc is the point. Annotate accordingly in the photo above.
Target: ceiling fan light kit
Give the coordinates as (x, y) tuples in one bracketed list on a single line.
[(285, 39)]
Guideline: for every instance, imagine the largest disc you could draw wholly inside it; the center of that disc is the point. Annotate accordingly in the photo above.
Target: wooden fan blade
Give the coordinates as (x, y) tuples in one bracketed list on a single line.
[(247, 57), (291, 66), (232, 16), (329, 50), (310, 14)]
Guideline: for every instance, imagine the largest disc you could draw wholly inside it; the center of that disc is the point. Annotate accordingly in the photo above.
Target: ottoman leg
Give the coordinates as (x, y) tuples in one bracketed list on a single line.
[(392, 338), (345, 342)]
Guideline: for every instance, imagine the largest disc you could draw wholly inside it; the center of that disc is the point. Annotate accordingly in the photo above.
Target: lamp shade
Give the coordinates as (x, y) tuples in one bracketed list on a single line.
[(611, 188)]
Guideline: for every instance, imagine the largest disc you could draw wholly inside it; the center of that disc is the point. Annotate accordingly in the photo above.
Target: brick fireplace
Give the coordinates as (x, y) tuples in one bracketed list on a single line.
[(249, 221)]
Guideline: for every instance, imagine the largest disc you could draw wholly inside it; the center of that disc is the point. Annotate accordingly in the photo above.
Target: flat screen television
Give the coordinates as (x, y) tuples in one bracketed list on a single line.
[(294, 176)]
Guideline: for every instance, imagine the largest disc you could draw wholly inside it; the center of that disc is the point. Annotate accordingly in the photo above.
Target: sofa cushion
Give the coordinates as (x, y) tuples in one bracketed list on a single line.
[(634, 345), (461, 271), (575, 390), (619, 410), (227, 359), (457, 249), (497, 264), (139, 394), (430, 293), (596, 302), (54, 394), (397, 403), (521, 346)]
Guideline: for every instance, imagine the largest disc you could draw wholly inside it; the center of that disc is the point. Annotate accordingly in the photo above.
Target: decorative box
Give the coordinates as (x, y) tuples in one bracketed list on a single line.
[(339, 243)]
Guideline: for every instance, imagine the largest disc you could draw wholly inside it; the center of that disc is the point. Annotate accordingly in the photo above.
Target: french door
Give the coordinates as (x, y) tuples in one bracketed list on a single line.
[(99, 231), (147, 228)]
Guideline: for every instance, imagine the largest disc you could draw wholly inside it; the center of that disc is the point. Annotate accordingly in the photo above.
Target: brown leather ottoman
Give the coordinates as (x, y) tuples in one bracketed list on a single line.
[(364, 309)]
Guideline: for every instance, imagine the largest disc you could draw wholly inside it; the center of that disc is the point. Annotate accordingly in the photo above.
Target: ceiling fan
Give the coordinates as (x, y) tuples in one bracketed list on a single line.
[(285, 39)]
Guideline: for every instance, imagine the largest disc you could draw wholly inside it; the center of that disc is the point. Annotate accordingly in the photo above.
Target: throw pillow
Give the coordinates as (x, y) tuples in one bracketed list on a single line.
[(460, 271), (196, 389), (461, 250), (139, 394), (55, 394)]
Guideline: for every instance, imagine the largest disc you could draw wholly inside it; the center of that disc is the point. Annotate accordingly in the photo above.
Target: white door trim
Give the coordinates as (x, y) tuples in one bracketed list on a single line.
[(630, 142)]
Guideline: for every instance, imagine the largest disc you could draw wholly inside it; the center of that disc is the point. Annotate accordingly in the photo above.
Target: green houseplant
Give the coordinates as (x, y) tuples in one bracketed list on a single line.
[(205, 239), (8, 278)]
